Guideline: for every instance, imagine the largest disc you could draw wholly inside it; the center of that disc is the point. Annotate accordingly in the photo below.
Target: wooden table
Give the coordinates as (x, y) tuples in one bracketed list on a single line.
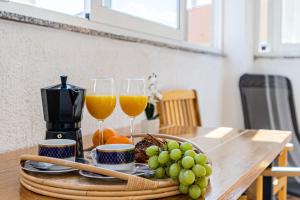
[(238, 157)]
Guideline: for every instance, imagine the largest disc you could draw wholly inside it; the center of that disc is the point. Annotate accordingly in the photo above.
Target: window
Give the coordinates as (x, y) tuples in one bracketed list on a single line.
[(162, 12), (204, 22), (159, 18), (290, 19), (193, 23), (63, 6), (200, 22), (279, 29)]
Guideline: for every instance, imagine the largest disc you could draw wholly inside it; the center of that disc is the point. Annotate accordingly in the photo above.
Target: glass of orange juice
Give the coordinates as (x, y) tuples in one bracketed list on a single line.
[(100, 101), (133, 99)]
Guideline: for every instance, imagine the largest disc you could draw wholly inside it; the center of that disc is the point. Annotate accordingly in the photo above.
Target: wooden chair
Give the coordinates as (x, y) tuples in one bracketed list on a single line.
[(179, 107)]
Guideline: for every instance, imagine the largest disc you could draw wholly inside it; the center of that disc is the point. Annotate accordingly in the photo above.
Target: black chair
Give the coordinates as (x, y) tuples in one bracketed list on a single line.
[(267, 102)]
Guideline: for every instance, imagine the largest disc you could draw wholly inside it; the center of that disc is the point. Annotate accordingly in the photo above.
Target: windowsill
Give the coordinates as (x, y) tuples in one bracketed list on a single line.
[(273, 55), (36, 16)]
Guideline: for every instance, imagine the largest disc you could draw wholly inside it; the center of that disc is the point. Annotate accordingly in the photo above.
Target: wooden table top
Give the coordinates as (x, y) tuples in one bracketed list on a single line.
[(238, 157)]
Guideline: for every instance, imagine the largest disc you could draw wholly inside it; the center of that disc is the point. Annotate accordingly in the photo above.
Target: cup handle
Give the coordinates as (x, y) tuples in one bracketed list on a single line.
[(93, 156)]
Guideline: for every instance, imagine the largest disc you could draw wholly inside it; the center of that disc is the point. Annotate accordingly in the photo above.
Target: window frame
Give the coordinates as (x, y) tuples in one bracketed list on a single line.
[(274, 40), (218, 21), (44, 14), (111, 17)]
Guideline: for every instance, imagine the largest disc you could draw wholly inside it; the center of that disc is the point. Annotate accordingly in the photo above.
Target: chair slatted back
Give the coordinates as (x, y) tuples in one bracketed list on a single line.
[(179, 107)]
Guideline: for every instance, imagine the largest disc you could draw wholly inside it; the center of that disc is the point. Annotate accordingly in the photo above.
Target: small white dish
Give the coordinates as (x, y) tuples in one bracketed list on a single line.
[(139, 170), (29, 166), (48, 166)]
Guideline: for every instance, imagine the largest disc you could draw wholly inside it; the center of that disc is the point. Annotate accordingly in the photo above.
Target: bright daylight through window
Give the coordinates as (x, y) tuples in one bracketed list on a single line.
[(191, 22), (290, 19), (279, 29), (70, 7), (164, 12), (200, 22)]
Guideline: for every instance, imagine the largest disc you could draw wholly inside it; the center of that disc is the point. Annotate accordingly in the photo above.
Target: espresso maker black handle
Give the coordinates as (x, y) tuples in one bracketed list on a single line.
[(63, 79)]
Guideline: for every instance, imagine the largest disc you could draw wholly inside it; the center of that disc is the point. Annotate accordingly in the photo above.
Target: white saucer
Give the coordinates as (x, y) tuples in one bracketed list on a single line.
[(48, 166), (139, 170), (30, 166)]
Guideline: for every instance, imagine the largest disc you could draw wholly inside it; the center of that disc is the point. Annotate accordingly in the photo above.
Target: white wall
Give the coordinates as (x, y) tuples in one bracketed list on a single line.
[(238, 41), (32, 57)]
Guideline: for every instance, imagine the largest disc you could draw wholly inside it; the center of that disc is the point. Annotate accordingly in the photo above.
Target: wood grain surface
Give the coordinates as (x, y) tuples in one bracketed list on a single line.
[(179, 107), (238, 157)]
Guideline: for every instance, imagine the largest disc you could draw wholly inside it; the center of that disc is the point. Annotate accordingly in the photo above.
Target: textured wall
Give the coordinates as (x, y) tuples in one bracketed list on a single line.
[(32, 57)]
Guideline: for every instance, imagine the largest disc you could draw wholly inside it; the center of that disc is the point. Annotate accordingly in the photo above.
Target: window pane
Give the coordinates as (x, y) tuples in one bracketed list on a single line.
[(200, 21), (161, 11), (263, 26), (71, 7), (290, 21)]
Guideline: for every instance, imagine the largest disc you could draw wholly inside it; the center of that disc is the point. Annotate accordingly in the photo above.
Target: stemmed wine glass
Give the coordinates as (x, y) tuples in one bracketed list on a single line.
[(133, 99), (101, 101)]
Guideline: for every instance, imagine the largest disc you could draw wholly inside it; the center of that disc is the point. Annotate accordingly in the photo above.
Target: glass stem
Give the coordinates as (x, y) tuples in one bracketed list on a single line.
[(100, 127), (132, 128)]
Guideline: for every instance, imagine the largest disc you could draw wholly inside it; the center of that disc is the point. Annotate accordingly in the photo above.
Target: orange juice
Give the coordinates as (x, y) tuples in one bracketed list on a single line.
[(100, 106), (133, 105)]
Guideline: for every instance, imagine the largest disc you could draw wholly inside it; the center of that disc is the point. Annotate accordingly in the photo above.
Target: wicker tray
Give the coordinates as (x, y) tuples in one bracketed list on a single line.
[(74, 186)]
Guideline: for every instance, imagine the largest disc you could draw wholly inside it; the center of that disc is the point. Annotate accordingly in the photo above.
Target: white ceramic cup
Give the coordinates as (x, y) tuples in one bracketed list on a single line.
[(57, 148), (118, 157)]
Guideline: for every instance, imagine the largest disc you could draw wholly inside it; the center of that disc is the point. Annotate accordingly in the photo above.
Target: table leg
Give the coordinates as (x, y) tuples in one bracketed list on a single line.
[(255, 191), (259, 188), (282, 161)]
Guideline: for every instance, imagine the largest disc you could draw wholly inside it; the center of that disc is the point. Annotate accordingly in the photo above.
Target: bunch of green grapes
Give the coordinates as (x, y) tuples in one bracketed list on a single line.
[(180, 162)]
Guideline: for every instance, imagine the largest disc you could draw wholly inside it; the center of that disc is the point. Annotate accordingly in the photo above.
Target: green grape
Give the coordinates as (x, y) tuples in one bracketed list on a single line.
[(169, 163), (199, 170), (183, 189), (153, 162), (180, 177), (191, 153), (167, 169), (187, 162), (174, 170), (172, 145), (179, 162), (200, 158), (152, 150), (186, 146), (194, 192), (165, 147), (188, 177), (208, 170), (163, 157), (202, 182), (203, 192), (175, 154), (159, 172)]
